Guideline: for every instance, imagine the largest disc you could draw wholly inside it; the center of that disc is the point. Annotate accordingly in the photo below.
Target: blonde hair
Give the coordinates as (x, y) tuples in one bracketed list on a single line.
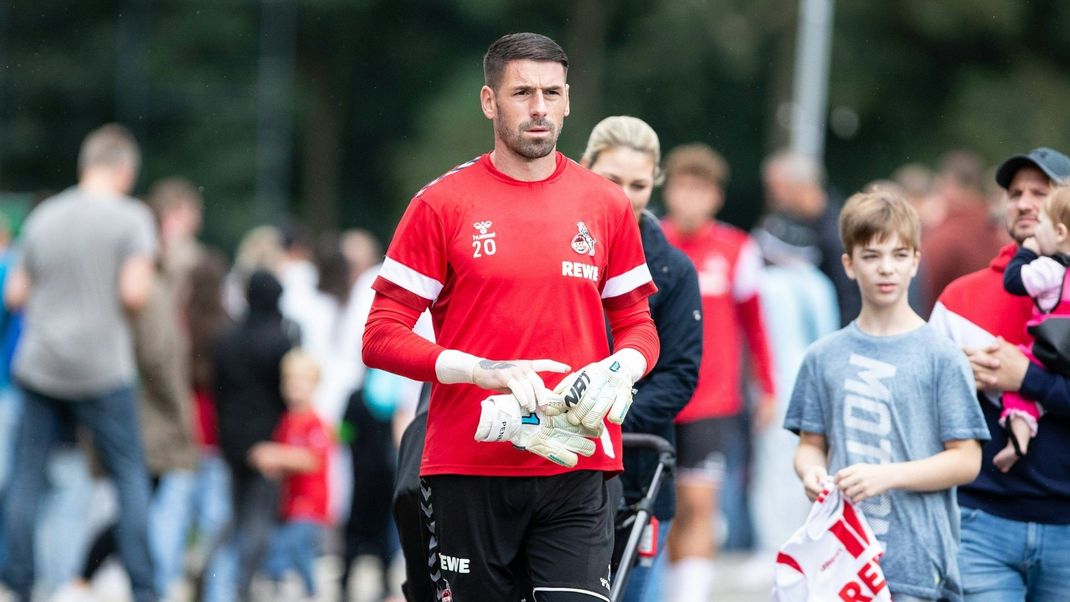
[(1057, 205), (699, 160), (111, 145), (624, 131), (878, 215), (296, 358)]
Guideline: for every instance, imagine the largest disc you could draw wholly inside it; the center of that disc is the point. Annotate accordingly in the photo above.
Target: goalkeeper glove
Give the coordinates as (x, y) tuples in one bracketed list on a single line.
[(602, 390), (501, 419)]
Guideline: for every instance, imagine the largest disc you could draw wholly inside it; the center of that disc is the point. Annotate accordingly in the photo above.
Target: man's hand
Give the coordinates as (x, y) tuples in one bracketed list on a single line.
[(1000, 365), (502, 419), (813, 480), (861, 481), (602, 390), (518, 377)]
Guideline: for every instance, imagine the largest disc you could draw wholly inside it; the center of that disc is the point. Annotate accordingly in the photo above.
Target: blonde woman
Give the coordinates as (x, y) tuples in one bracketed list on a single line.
[(626, 151)]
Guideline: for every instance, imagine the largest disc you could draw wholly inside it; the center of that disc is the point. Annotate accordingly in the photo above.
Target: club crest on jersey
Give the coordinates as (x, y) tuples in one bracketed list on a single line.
[(583, 242)]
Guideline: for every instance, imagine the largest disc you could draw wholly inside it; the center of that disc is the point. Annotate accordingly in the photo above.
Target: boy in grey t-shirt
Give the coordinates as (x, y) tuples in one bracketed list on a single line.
[(887, 406)]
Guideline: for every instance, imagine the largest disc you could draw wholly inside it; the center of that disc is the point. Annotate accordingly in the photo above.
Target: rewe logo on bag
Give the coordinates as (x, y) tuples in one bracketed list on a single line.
[(868, 584)]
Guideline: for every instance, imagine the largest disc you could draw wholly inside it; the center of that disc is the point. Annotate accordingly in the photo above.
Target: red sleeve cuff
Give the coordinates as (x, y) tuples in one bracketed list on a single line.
[(631, 297), (399, 294)]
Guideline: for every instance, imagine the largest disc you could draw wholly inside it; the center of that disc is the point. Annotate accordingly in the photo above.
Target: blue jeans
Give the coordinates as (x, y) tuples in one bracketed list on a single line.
[(1003, 560), (169, 519), (293, 546), (113, 421), (10, 410), (645, 583), (211, 515), (65, 524)]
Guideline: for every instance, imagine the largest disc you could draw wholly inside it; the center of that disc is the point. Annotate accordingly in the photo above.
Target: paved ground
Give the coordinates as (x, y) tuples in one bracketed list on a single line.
[(739, 580)]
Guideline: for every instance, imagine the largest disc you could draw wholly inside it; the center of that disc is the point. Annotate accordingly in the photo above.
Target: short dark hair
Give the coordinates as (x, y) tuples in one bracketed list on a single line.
[(519, 47)]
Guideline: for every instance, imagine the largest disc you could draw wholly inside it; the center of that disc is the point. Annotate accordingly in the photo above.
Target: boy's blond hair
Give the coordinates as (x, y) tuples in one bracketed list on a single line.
[(878, 215), (296, 358), (1057, 205)]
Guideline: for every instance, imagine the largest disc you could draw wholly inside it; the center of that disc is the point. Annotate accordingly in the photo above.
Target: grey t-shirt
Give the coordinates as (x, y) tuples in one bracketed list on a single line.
[(894, 399), (77, 341)]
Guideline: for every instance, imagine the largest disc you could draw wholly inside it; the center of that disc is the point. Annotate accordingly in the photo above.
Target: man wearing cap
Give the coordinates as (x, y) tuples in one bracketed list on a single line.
[(1015, 526)]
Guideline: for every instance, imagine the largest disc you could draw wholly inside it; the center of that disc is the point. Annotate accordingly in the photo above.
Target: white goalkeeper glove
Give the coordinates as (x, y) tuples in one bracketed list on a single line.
[(602, 390), (502, 419)]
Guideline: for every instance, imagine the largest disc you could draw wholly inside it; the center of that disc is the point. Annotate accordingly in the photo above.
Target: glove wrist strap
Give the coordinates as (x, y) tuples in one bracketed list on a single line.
[(453, 367), (632, 361)]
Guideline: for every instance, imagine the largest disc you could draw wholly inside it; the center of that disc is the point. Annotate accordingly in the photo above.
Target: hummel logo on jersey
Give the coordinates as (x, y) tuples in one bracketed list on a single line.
[(583, 242), (576, 391), (483, 243)]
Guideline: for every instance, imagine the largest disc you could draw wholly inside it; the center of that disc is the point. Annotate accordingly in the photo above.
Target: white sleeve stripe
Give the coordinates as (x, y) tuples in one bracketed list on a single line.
[(626, 282), (748, 274), (410, 280)]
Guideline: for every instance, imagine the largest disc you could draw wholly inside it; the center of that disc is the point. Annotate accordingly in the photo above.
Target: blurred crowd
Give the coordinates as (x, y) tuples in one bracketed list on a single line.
[(258, 444)]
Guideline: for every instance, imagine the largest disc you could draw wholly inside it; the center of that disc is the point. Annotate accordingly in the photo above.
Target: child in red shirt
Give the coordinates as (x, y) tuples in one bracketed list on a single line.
[(298, 456)]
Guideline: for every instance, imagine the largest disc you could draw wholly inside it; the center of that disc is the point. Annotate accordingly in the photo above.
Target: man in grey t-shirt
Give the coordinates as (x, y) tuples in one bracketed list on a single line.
[(86, 265)]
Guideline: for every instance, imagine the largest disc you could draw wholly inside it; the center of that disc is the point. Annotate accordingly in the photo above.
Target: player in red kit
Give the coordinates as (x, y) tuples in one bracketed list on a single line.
[(521, 255), (710, 436)]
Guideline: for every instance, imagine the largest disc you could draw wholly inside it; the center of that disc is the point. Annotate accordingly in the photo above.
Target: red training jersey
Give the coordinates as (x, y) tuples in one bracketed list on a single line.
[(729, 270), (304, 495), (514, 270)]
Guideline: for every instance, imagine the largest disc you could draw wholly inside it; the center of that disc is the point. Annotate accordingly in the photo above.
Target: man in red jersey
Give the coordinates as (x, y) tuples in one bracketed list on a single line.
[(711, 437), (521, 255)]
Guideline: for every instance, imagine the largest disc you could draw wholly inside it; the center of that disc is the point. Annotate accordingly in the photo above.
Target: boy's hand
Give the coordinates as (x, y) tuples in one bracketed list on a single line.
[(861, 481), (262, 457), (814, 481)]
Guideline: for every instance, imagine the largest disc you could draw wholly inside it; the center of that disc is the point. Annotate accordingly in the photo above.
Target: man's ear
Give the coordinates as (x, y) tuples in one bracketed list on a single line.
[(848, 266), (566, 101), (486, 102)]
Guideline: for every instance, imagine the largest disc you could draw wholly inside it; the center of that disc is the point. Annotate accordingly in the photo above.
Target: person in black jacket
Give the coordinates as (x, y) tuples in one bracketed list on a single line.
[(249, 405), (626, 151)]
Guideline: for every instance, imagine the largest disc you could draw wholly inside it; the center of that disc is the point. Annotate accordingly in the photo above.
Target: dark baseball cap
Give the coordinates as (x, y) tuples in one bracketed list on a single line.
[(1053, 163)]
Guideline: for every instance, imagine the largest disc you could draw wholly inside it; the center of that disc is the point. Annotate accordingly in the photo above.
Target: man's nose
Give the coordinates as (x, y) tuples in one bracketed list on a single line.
[(538, 105), (1028, 201)]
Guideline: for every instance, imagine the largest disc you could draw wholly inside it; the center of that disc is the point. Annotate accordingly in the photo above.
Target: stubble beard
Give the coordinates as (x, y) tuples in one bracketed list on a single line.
[(1021, 232), (528, 148)]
